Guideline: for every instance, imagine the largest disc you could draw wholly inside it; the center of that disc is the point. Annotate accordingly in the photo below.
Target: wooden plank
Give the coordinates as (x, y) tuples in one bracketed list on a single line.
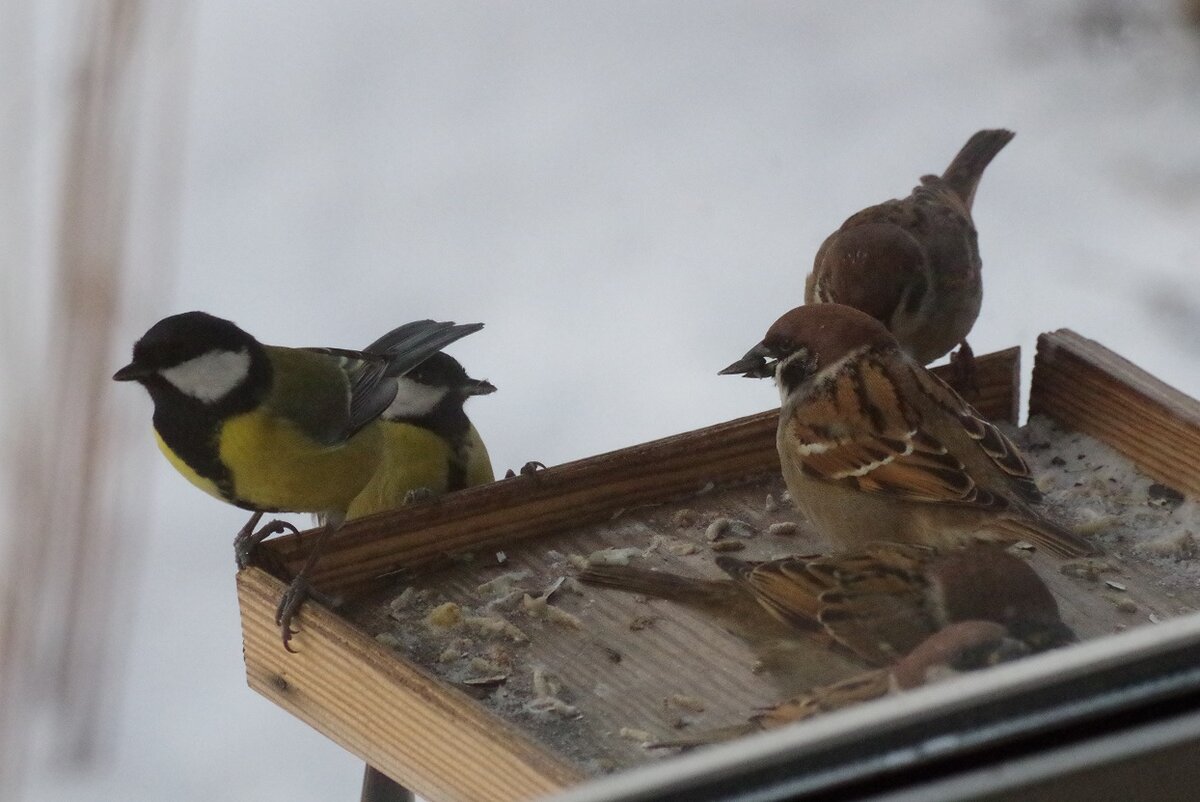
[(396, 717), (576, 493), (1089, 389), (422, 731)]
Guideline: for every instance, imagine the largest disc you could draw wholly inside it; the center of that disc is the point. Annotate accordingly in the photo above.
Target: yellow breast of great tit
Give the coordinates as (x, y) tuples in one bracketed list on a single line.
[(414, 458), (276, 466)]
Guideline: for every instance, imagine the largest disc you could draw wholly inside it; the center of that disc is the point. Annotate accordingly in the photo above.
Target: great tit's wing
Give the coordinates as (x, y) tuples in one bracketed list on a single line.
[(411, 344), (370, 374)]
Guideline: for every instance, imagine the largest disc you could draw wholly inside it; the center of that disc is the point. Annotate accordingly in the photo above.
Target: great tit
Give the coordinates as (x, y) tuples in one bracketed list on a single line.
[(275, 429), (430, 445)]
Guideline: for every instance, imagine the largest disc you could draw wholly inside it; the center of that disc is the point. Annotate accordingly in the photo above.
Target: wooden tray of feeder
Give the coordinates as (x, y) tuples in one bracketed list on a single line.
[(464, 666)]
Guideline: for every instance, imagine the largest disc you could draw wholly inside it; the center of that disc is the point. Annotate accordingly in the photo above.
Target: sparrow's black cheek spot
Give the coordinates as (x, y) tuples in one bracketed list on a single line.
[(795, 371)]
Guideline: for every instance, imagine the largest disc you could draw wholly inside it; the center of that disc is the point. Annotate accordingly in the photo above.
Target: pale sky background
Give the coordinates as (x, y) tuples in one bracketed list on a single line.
[(627, 194)]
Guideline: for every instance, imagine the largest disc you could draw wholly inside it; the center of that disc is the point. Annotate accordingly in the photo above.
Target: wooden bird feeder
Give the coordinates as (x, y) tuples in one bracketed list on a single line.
[(416, 674)]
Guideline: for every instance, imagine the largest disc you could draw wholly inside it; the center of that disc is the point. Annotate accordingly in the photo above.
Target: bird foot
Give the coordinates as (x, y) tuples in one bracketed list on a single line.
[(299, 591), (528, 469), (964, 376), (247, 539)]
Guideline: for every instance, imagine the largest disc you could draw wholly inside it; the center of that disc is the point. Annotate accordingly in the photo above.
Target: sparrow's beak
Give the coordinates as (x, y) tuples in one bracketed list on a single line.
[(479, 387), (132, 372), (753, 365)]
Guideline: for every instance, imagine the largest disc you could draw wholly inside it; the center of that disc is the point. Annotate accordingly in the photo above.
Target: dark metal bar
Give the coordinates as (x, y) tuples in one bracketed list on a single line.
[(378, 787)]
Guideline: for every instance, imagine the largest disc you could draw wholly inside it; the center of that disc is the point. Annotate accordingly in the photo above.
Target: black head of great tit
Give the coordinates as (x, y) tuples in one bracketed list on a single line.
[(429, 442), (275, 429)]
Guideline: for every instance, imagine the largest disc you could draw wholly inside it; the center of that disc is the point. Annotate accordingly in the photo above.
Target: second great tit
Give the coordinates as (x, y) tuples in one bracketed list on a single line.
[(429, 443)]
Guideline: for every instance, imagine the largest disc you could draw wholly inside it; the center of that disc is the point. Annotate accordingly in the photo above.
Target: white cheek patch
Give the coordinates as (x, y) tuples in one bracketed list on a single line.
[(211, 376), (414, 400)]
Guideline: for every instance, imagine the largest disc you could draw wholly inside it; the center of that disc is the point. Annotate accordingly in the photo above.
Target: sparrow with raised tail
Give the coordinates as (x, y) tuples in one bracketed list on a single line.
[(875, 447), (913, 264), (879, 603)]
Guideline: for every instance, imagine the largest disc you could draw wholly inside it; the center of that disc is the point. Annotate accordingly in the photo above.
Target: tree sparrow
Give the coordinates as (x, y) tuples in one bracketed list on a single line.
[(874, 447), (913, 264), (879, 603)]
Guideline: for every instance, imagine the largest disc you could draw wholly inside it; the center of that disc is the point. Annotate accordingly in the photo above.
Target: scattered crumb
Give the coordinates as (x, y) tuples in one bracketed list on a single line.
[(770, 505), (718, 528), (539, 607), (388, 639), (632, 734), (494, 625), (501, 557), (1093, 521), (570, 584), (450, 655), (1180, 545), (684, 702), (507, 603), (640, 623), (544, 683), (551, 707), (612, 556), (481, 665), (502, 585), (724, 527), (1114, 585), (1024, 545), (398, 605), (727, 545), (445, 616), (656, 543), (1085, 569), (1125, 605), (486, 682), (682, 548), (784, 529)]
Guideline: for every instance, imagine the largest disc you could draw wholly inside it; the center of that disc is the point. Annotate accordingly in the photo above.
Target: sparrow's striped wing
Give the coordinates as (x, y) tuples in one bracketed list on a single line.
[(859, 430), (785, 587), (880, 605), (873, 602)]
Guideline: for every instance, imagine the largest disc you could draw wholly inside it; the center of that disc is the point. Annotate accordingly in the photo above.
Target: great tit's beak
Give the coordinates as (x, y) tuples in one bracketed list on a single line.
[(132, 372), (479, 387), (753, 365)]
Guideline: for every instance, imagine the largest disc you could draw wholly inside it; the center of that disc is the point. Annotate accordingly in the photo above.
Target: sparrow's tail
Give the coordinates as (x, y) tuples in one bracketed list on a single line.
[(1044, 533), (964, 172), (659, 584)]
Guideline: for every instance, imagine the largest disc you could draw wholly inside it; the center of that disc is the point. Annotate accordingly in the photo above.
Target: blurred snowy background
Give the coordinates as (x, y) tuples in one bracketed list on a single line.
[(626, 193)]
